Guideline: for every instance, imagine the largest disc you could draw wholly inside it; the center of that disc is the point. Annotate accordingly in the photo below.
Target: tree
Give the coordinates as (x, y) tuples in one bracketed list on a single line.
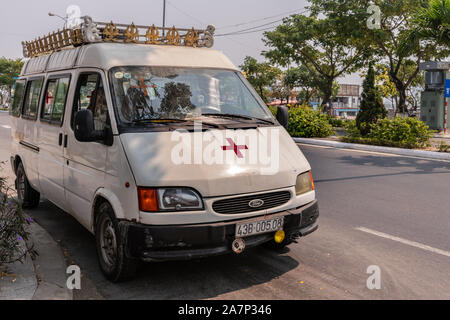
[(372, 107), (327, 49), (395, 26), (260, 75), (431, 23), (9, 68), (302, 78)]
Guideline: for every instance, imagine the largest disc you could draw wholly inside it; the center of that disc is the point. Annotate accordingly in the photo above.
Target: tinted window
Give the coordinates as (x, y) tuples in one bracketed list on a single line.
[(32, 95), (55, 99), (91, 95), (17, 98)]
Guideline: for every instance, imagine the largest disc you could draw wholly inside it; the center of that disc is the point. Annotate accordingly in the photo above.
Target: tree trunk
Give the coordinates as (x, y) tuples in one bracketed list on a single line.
[(261, 94), (328, 92), (402, 107)]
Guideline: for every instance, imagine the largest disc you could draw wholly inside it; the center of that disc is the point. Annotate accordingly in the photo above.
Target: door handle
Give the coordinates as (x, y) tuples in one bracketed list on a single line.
[(65, 141), (60, 139)]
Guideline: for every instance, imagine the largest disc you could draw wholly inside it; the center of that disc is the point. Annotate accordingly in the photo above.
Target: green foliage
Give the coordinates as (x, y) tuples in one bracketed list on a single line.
[(273, 109), (12, 227), (443, 147), (325, 46), (307, 123), (396, 24), (9, 68), (372, 107), (407, 132), (397, 132), (335, 121), (429, 23), (260, 75)]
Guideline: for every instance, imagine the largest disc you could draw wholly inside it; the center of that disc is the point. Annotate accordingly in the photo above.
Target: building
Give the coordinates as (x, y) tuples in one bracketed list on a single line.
[(347, 102)]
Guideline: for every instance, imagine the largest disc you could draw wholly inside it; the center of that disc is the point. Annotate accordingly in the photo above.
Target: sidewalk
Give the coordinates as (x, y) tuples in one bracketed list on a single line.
[(43, 278), (438, 138), (17, 280)]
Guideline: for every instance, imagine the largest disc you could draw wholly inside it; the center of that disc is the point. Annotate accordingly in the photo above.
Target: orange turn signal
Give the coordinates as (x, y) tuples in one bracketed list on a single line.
[(312, 180), (148, 199)]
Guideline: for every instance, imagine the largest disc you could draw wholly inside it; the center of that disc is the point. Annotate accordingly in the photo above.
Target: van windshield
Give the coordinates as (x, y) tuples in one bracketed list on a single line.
[(167, 93)]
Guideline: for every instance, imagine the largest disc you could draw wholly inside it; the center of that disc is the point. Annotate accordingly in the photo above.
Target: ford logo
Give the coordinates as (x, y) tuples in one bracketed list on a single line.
[(256, 203)]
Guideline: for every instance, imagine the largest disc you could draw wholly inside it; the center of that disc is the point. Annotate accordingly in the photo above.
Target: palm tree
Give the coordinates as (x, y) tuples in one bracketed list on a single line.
[(431, 23)]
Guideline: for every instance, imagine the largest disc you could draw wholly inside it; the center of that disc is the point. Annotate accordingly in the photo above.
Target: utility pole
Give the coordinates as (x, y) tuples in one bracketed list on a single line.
[(164, 17)]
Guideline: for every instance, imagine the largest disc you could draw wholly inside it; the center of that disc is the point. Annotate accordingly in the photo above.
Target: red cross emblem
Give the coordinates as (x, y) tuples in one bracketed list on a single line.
[(236, 148)]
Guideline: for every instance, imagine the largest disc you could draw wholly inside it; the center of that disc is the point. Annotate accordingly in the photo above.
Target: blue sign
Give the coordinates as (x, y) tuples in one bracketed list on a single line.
[(447, 88)]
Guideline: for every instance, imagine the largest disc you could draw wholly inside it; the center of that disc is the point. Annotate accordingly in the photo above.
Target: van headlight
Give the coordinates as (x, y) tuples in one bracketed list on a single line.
[(304, 183), (169, 199)]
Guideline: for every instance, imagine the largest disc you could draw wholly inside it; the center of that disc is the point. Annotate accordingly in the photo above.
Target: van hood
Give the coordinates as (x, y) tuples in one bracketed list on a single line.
[(215, 162)]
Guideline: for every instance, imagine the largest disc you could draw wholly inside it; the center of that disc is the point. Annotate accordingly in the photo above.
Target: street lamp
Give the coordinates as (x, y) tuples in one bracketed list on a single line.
[(50, 14), (164, 17)]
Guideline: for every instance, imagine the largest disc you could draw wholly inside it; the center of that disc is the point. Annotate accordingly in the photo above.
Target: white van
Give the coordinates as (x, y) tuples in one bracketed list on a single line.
[(156, 150)]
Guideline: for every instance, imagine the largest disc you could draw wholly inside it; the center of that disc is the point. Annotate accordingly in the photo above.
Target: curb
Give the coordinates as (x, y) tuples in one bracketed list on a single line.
[(398, 151), (50, 267)]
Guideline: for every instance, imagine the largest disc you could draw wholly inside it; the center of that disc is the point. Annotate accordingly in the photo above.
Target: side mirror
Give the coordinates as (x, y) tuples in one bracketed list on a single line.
[(283, 116), (84, 127)]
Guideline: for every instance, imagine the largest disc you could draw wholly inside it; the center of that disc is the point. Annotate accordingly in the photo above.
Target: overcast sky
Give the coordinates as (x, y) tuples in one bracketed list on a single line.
[(28, 19)]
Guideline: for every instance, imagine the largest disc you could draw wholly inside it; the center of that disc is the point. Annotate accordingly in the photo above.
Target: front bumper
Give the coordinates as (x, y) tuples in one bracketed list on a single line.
[(183, 242)]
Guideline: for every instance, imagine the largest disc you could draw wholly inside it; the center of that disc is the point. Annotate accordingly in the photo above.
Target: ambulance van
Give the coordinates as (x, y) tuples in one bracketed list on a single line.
[(157, 144)]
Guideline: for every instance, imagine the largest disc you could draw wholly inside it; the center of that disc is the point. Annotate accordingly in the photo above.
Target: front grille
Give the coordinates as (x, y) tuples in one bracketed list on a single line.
[(241, 204)]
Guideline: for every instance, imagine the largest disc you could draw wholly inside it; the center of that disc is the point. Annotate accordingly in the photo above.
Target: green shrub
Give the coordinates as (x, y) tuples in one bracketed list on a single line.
[(335, 121), (443, 147), (307, 123), (13, 227), (397, 132), (407, 132), (351, 129), (273, 109)]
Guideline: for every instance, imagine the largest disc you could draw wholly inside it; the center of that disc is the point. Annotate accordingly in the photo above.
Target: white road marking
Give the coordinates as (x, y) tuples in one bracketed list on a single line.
[(404, 241), (6, 127)]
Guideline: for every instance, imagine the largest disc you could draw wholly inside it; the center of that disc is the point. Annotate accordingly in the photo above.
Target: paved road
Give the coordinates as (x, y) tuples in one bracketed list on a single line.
[(376, 209)]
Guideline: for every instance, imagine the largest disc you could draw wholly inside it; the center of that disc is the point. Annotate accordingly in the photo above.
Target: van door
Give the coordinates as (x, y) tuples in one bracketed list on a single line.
[(50, 137), (86, 161), (29, 141)]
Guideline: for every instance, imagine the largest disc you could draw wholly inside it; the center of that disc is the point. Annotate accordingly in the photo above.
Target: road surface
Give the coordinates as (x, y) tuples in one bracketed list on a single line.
[(392, 212)]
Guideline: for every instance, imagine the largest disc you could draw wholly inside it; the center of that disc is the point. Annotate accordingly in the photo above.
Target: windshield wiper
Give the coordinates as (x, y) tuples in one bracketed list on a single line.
[(240, 116), (163, 120), (172, 120)]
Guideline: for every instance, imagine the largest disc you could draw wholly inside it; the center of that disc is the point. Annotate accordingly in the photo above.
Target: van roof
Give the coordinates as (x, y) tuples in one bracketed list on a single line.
[(108, 55)]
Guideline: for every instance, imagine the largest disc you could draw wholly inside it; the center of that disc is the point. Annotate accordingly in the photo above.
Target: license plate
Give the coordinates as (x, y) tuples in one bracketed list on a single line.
[(258, 227)]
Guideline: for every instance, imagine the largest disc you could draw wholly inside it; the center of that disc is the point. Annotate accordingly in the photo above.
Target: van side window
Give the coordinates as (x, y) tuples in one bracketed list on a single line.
[(17, 98), (33, 92), (91, 95), (55, 99)]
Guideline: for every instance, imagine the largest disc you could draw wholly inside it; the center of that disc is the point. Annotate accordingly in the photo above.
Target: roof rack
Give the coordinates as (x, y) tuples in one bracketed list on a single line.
[(94, 32)]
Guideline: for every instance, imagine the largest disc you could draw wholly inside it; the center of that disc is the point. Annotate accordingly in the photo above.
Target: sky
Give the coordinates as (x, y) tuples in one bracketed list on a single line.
[(28, 19)]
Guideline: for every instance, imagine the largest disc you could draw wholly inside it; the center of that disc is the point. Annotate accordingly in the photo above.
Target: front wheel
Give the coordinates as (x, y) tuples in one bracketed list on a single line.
[(114, 263), (25, 192)]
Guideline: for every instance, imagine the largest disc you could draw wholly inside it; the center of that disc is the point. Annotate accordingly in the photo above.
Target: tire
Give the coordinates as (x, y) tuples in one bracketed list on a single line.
[(114, 263), (25, 192)]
